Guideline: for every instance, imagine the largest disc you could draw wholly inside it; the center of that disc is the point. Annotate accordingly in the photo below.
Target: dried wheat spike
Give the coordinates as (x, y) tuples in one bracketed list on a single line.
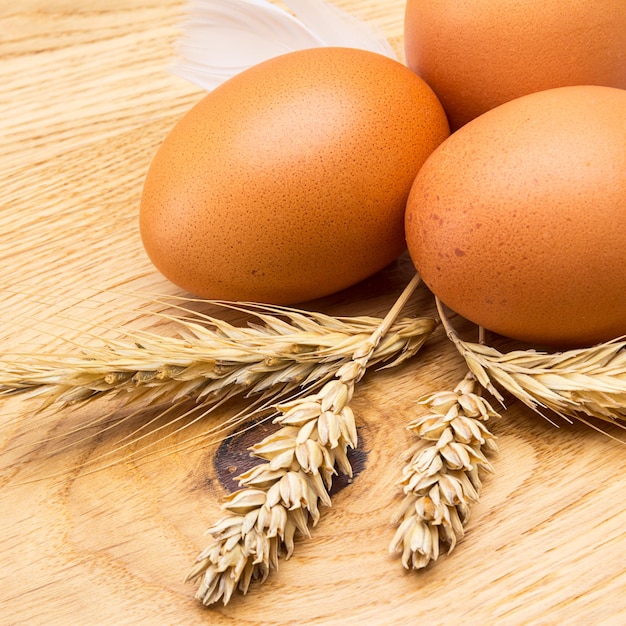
[(280, 498), (574, 384), (210, 359), (442, 476)]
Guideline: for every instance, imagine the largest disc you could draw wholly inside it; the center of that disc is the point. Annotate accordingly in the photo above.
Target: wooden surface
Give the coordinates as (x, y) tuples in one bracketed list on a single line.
[(85, 99)]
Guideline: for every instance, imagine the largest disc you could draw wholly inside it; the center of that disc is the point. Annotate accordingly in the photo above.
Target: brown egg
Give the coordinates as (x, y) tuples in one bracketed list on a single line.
[(518, 220), (289, 181), (477, 54)]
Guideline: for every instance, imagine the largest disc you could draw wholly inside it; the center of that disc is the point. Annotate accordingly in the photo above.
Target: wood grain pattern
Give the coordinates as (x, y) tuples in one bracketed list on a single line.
[(86, 97)]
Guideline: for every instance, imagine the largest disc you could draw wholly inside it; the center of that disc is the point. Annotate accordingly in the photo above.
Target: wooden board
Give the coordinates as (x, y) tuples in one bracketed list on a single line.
[(85, 99)]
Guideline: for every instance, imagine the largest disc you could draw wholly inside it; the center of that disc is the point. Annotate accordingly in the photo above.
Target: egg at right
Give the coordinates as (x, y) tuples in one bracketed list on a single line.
[(517, 221)]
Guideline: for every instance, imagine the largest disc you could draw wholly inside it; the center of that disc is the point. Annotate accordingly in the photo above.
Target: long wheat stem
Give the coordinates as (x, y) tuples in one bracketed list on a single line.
[(280, 498)]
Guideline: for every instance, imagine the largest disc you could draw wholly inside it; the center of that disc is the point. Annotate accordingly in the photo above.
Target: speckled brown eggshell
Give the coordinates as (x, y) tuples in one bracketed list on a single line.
[(518, 220), (478, 54), (289, 181)]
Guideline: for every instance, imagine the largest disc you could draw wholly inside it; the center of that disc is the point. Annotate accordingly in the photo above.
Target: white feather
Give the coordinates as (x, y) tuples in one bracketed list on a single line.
[(221, 38), (338, 28)]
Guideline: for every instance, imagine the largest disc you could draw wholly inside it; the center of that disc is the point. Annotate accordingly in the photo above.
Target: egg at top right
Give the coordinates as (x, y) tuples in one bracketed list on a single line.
[(478, 54)]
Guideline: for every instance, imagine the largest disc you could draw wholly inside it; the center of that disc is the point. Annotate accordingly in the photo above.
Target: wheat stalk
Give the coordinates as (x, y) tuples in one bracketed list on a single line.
[(280, 498), (573, 384), (441, 478), (210, 359)]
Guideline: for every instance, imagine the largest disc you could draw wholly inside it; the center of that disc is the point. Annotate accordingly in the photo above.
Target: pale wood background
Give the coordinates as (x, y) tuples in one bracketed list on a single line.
[(85, 99)]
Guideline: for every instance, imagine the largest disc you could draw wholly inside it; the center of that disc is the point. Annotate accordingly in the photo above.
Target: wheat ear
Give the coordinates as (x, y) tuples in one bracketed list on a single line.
[(280, 497), (281, 352), (208, 357), (441, 478), (573, 384)]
